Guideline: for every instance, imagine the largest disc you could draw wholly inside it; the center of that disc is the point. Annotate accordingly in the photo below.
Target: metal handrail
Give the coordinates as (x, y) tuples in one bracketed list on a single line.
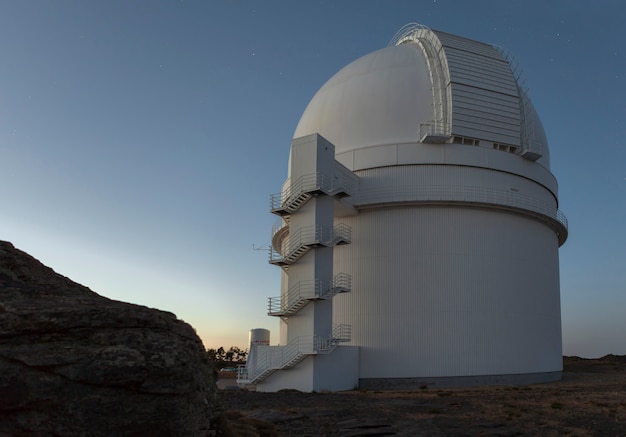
[(514, 66), (434, 128), (404, 31), (342, 332), (300, 291), (307, 290), (309, 184), (305, 183), (560, 216), (342, 231), (342, 280), (272, 358), (242, 372), (306, 236), (310, 236), (279, 225)]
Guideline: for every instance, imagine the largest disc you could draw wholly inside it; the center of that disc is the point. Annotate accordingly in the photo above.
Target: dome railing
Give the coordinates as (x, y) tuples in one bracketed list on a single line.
[(436, 132), (439, 129), (405, 31)]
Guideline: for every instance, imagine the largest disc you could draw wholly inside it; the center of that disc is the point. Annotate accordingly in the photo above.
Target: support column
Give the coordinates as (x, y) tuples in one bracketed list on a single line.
[(312, 155)]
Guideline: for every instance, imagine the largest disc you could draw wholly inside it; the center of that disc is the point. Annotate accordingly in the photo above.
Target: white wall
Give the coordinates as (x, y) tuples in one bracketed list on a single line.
[(442, 291), (337, 371)]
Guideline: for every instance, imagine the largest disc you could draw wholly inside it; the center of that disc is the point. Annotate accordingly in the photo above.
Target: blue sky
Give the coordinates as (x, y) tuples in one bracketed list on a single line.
[(140, 140)]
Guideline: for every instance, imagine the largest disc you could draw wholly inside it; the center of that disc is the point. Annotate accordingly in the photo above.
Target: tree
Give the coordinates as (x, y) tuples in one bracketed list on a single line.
[(226, 358)]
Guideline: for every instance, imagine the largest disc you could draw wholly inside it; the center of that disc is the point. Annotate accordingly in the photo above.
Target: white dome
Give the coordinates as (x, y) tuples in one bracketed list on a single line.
[(378, 99), (431, 87)]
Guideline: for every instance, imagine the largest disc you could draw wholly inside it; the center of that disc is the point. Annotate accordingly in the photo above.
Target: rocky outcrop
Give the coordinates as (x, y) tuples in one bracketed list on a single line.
[(75, 363)]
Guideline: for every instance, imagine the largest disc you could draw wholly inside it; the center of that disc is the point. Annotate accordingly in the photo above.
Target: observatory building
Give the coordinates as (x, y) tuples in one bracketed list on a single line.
[(418, 228)]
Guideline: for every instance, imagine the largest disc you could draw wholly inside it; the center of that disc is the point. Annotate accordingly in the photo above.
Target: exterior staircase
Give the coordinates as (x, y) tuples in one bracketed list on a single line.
[(289, 244), (304, 292), (273, 358), (304, 239), (299, 192)]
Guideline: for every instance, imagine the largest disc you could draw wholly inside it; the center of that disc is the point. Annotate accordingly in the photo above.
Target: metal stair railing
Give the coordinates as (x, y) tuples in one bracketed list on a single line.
[(300, 191), (296, 245), (300, 294), (296, 297), (280, 231), (279, 225), (345, 181), (275, 358), (342, 282), (341, 333), (434, 132), (301, 241), (242, 373), (342, 234)]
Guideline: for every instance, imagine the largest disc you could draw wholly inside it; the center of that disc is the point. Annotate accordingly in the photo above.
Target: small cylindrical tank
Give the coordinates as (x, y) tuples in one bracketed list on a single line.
[(259, 337)]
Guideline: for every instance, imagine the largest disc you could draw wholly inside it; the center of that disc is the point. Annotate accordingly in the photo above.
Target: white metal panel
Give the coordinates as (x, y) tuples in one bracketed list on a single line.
[(382, 155), (489, 116), (338, 370), (456, 154), (466, 97), (451, 291), (419, 183), (380, 98), (419, 153), (458, 42), (480, 72), (501, 118), (484, 92), (299, 378)]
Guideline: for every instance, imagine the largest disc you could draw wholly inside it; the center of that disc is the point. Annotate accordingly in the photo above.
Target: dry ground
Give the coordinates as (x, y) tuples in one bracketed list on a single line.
[(590, 401)]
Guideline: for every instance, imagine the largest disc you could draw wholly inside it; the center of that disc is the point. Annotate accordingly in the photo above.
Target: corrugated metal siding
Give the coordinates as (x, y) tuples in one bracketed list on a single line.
[(481, 72), (485, 115), (450, 291), (483, 90), (458, 42)]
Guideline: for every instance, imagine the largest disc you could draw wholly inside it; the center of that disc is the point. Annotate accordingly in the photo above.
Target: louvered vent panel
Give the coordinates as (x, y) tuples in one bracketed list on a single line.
[(485, 96)]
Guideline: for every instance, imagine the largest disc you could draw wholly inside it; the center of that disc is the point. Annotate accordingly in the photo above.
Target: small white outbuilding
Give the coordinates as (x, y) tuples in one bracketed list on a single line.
[(419, 228)]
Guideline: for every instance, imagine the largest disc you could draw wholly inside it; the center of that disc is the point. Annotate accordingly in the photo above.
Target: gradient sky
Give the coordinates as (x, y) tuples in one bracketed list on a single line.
[(140, 140)]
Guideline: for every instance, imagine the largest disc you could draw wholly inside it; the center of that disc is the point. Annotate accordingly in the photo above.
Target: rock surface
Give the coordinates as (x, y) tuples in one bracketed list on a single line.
[(75, 363)]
